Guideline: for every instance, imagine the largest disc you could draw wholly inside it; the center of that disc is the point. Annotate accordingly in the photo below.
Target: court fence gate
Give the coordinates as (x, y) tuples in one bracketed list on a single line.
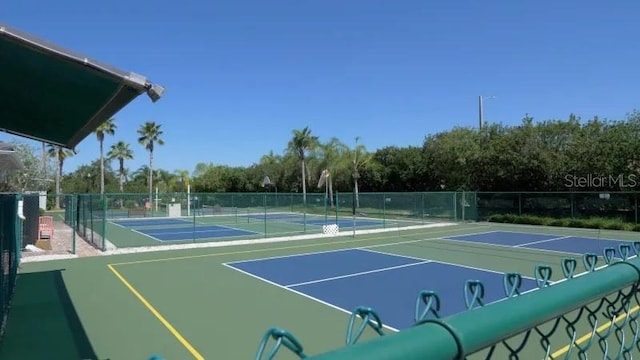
[(11, 230)]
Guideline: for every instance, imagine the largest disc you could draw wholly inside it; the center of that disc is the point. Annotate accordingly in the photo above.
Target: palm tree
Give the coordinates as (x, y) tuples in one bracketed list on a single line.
[(360, 156), (106, 128), (122, 152), (166, 180), (302, 142), (60, 154), (183, 177), (332, 155), (150, 134)]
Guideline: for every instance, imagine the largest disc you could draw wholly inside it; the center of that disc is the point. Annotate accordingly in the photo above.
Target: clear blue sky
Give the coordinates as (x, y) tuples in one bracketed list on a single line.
[(240, 75)]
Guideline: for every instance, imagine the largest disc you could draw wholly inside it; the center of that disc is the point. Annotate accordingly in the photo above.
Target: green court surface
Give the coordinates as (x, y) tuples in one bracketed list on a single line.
[(186, 304), (152, 231)]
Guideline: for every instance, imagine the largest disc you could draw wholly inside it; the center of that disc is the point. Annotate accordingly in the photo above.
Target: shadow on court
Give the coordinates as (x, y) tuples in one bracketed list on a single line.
[(43, 323)]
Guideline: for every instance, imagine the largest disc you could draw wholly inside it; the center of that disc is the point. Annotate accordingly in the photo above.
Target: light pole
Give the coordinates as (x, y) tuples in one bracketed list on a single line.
[(481, 109)]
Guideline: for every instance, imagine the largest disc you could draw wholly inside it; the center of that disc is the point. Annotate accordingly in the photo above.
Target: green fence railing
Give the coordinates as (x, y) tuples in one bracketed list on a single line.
[(10, 251), (86, 214), (129, 220), (621, 205), (592, 315)]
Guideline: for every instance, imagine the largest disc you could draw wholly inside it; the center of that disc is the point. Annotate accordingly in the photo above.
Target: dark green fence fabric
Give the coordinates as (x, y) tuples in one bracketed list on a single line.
[(613, 205), (591, 315), (86, 213), (10, 250)]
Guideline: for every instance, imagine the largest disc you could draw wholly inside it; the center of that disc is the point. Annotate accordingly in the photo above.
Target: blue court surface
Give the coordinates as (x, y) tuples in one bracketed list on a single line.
[(548, 242), (189, 232), (180, 229), (151, 222), (389, 283)]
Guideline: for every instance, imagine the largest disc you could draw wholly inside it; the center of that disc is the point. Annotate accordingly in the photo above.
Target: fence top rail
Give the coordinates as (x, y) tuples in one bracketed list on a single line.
[(594, 192), (460, 335)]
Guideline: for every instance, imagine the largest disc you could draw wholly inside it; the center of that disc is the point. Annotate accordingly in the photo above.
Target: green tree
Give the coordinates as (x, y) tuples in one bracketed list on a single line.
[(121, 152), (302, 142), (184, 179), (86, 178), (150, 134), (34, 174), (106, 128)]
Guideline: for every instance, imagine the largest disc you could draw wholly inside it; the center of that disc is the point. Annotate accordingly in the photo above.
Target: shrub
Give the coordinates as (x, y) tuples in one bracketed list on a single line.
[(589, 223)]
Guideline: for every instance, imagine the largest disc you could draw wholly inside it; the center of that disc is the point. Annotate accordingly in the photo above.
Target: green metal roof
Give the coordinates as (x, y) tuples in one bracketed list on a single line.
[(52, 95)]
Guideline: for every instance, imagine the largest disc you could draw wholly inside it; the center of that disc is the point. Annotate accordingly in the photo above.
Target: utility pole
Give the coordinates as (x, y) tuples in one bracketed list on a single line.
[(481, 109)]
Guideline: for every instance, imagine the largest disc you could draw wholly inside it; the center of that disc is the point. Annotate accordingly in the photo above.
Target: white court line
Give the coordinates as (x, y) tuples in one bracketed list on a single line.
[(443, 262), (357, 274), (542, 241), (552, 234), (349, 249), (302, 294), (289, 287), (119, 225), (512, 247), (159, 232), (290, 255), (147, 235)]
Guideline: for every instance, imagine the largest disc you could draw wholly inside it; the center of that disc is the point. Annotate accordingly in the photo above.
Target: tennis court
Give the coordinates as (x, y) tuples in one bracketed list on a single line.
[(565, 244), (216, 303), (145, 231)]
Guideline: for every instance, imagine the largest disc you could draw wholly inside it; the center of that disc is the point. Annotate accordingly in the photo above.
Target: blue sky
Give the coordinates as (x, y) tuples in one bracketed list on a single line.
[(240, 75)]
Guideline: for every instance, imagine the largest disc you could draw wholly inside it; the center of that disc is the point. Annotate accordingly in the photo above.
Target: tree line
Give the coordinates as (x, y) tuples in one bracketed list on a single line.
[(552, 155)]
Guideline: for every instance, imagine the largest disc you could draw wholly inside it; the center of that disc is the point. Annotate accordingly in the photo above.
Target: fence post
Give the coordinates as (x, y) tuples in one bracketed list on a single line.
[(384, 210), (422, 207), (73, 204), (18, 233), (572, 200), (337, 206), (104, 223), (455, 205)]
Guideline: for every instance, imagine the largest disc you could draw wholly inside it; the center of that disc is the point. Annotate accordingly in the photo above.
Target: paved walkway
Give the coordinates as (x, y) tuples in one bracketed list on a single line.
[(62, 244)]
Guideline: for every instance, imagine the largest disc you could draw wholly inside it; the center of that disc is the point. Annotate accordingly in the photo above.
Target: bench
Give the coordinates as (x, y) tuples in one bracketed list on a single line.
[(45, 227), (137, 212)]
